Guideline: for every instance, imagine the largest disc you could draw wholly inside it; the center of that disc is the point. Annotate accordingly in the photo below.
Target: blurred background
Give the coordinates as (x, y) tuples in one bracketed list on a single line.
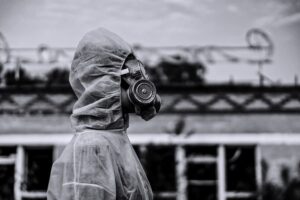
[(228, 73)]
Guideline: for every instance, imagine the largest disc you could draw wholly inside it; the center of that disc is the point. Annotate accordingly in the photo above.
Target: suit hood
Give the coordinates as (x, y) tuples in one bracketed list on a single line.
[(95, 78)]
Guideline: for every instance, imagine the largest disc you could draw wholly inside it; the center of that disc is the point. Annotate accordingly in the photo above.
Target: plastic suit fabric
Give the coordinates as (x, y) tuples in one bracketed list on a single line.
[(99, 163)]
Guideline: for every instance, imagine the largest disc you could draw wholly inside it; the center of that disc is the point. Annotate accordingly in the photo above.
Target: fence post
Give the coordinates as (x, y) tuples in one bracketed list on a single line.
[(19, 171), (181, 173), (258, 170), (221, 173)]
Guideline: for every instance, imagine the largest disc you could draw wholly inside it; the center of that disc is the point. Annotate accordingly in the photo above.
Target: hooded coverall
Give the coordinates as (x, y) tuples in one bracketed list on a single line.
[(99, 163)]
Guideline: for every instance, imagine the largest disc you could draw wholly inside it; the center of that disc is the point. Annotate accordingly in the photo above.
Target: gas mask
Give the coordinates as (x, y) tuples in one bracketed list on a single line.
[(138, 93)]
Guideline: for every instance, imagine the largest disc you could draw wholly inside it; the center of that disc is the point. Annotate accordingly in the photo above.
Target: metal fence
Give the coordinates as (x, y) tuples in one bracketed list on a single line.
[(209, 153)]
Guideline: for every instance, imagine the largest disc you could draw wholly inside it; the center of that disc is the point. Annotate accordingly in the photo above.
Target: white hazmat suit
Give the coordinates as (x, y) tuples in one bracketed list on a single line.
[(99, 163)]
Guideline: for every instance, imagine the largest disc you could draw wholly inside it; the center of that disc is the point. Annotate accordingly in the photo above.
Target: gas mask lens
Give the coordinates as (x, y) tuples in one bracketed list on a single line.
[(134, 69)]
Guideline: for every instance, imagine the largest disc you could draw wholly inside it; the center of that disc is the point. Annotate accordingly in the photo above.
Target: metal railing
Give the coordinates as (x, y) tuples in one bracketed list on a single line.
[(142, 141), (205, 99)]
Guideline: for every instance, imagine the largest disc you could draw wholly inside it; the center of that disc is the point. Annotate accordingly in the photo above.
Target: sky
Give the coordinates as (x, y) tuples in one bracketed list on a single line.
[(57, 23)]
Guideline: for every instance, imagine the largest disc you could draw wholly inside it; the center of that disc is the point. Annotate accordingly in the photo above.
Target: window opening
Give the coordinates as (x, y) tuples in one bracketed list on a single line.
[(240, 173), (160, 170), (202, 172), (7, 171), (38, 163)]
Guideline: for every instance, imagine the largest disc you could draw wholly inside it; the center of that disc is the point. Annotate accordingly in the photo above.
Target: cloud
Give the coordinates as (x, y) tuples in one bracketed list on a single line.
[(189, 6), (278, 20), (265, 21), (287, 20), (180, 3), (280, 13), (232, 8)]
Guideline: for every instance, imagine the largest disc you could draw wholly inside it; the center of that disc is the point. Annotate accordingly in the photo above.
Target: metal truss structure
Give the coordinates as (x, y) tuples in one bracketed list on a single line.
[(195, 98), (204, 99), (258, 43)]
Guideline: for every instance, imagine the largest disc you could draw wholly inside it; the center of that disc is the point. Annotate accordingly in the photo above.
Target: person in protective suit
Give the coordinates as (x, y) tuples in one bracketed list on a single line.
[(99, 162)]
